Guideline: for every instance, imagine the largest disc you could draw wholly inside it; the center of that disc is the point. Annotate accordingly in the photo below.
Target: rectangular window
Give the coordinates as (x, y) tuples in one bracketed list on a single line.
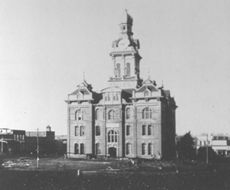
[(128, 148), (98, 131), (143, 130), (127, 130), (98, 151), (82, 131), (76, 130), (149, 130)]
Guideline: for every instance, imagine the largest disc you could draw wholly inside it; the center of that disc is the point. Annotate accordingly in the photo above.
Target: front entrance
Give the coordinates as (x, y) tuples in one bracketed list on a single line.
[(112, 152)]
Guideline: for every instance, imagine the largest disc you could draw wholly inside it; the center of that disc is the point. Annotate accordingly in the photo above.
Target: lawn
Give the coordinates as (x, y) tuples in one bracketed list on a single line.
[(62, 174)]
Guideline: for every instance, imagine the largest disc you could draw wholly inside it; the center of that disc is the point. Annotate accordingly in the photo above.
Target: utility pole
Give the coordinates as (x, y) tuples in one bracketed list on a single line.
[(1, 145), (207, 150), (37, 149)]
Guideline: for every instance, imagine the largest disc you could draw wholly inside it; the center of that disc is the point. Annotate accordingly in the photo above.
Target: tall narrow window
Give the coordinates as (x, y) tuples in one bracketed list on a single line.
[(114, 97), (127, 116), (76, 148), (82, 130), (149, 130), (127, 130), (118, 69), (76, 130), (128, 148), (143, 148), (150, 149), (97, 114), (98, 131), (82, 148), (127, 69), (97, 147), (111, 115), (117, 98), (143, 129)]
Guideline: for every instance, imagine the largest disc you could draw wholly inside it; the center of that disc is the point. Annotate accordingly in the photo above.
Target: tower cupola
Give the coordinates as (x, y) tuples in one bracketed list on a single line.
[(125, 56)]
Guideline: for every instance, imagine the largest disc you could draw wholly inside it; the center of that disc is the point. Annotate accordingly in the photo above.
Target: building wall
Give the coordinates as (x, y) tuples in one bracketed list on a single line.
[(75, 124), (126, 90), (158, 137)]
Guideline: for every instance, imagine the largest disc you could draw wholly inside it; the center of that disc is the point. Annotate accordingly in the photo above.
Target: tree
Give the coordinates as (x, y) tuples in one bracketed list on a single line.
[(185, 147)]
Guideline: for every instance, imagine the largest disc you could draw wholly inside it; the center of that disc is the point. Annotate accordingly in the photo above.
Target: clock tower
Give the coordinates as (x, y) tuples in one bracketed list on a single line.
[(125, 57)]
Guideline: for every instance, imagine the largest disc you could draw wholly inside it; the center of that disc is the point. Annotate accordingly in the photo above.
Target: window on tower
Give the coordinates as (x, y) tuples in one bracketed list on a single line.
[(118, 70), (127, 69), (98, 131), (128, 113)]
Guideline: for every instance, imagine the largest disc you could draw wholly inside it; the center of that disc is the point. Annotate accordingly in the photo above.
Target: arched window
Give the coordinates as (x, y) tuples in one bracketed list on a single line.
[(118, 69), (143, 129), (150, 149), (111, 115), (128, 148), (98, 131), (127, 130), (82, 148), (149, 130), (78, 115), (76, 130), (97, 147), (76, 148), (127, 69), (143, 148), (146, 113), (127, 113), (97, 116), (82, 130), (112, 136)]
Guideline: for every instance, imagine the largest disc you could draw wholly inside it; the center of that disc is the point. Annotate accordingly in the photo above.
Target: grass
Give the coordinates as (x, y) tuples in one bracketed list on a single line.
[(61, 174)]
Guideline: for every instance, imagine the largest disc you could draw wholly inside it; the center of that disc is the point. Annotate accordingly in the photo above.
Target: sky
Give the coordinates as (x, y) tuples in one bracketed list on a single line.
[(47, 45)]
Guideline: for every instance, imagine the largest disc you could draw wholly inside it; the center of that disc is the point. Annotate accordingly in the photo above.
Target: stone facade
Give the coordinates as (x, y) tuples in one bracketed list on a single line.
[(130, 118)]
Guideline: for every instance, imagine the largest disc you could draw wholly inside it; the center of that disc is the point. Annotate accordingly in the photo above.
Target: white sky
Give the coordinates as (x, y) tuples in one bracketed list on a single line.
[(46, 45)]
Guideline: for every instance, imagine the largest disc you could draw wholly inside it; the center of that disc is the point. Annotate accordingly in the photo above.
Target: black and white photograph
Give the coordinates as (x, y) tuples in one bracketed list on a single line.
[(114, 95)]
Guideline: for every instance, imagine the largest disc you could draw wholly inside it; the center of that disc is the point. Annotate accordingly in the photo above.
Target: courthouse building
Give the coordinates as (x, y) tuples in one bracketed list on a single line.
[(130, 118)]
